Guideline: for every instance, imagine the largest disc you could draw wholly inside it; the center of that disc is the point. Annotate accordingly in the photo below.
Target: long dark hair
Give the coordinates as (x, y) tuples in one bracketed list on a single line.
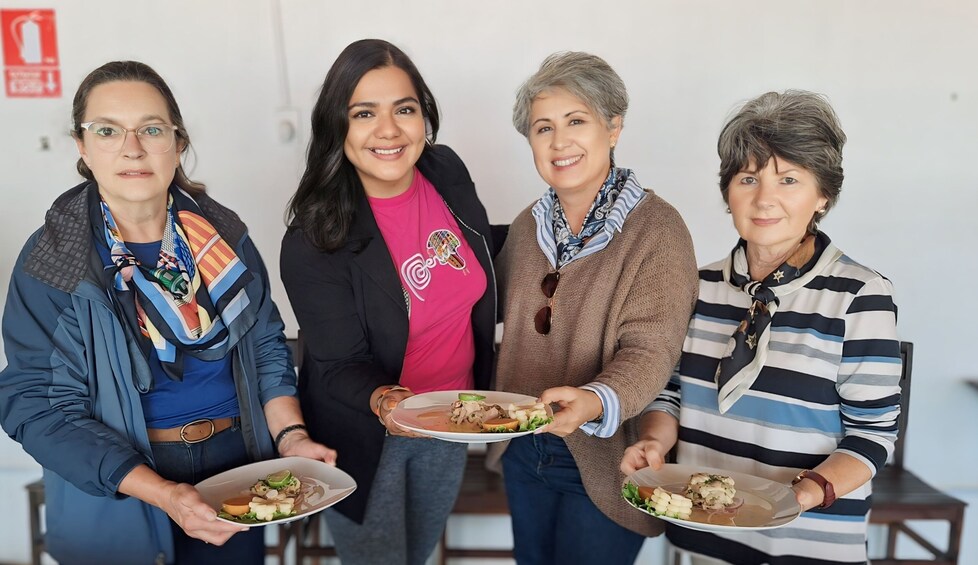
[(132, 71), (325, 203)]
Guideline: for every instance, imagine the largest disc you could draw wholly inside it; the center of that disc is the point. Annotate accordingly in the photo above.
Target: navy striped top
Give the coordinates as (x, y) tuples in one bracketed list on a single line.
[(831, 383)]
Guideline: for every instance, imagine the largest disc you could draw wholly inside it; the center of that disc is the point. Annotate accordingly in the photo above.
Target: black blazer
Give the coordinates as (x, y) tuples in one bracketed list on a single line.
[(353, 316)]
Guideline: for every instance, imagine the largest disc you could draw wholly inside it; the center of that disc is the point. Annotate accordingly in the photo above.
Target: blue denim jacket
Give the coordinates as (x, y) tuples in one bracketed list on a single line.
[(70, 391)]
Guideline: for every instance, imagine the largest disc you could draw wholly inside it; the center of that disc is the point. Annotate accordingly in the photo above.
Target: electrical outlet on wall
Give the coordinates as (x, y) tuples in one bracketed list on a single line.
[(287, 124)]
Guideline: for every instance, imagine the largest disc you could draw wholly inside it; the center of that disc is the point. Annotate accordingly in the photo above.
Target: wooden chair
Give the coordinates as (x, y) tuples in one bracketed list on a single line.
[(285, 534), (310, 540), (900, 496), (482, 494), (35, 500)]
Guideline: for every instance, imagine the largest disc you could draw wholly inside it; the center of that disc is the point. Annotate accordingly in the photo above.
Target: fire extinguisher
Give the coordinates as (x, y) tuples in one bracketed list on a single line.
[(28, 39)]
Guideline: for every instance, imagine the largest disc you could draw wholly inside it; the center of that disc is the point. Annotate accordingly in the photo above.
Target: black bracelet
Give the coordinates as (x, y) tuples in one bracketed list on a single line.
[(286, 431)]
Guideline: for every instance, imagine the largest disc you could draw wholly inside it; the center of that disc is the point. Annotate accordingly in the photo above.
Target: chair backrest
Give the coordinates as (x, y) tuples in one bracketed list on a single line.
[(300, 349), (906, 356), (296, 346)]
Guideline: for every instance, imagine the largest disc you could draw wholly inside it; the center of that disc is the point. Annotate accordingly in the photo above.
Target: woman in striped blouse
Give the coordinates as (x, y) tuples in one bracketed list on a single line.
[(791, 364)]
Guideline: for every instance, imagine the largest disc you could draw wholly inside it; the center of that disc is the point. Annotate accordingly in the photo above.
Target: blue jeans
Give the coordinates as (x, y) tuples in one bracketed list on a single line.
[(554, 521), (410, 499), (178, 461)]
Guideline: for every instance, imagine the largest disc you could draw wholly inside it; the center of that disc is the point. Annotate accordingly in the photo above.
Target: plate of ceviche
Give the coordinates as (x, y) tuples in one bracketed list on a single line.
[(472, 416), (275, 491), (711, 500)]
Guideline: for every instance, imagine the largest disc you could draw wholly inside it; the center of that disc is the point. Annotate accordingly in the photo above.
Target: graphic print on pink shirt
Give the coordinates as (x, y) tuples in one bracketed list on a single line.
[(442, 250), (442, 279)]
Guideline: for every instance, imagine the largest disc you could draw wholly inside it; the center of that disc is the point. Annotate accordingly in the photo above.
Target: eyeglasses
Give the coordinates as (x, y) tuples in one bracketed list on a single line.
[(545, 316), (154, 138)]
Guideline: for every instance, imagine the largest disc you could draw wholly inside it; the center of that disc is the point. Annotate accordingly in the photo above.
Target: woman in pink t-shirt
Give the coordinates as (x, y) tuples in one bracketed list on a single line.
[(387, 263)]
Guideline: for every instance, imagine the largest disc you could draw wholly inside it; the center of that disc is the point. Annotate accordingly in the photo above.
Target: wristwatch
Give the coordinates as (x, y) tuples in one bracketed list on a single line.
[(828, 491)]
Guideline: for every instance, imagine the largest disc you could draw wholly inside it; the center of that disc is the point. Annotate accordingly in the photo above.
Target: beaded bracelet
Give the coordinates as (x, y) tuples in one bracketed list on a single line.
[(286, 431), (380, 399)]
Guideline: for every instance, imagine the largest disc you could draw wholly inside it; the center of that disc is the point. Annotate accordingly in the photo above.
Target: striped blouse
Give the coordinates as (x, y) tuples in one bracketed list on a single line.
[(830, 384)]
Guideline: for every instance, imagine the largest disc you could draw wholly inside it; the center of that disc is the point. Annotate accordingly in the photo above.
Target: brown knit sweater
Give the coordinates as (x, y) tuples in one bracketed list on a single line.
[(620, 316)]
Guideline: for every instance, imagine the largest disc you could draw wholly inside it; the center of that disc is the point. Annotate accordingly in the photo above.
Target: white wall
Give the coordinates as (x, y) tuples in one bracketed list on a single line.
[(900, 74)]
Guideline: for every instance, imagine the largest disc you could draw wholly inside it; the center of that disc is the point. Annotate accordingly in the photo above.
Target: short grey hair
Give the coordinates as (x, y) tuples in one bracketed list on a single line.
[(585, 76), (795, 125)]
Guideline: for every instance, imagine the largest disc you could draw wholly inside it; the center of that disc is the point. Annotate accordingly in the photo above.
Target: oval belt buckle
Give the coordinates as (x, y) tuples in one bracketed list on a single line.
[(183, 431)]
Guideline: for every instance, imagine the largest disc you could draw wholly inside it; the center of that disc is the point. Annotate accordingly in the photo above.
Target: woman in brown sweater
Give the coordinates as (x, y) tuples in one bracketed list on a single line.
[(618, 284)]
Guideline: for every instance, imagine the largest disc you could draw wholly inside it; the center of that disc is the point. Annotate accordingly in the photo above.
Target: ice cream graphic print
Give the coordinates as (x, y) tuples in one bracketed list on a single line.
[(442, 248)]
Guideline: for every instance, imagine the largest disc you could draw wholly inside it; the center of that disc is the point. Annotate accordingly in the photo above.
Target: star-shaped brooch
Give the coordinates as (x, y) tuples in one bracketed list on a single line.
[(752, 341), (778, 275)]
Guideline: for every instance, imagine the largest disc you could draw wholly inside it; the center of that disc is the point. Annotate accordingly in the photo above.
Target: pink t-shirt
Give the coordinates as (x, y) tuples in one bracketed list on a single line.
[(443, 281)]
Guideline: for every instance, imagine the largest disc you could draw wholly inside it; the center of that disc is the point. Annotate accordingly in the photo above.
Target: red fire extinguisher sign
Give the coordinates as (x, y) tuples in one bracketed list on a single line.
[(30, 54)]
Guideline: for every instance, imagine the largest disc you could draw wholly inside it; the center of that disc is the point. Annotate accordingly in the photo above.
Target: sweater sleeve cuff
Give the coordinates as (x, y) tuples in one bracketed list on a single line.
[(612, 411)]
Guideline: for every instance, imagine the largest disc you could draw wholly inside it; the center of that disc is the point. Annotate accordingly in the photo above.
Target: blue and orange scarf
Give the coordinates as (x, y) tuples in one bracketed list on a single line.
[(188, 299)]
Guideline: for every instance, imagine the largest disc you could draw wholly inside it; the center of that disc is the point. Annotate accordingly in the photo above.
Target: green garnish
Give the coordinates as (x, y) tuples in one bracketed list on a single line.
[(630, 493), (251, 518), (468, 396), (526, 426), (534, 423)]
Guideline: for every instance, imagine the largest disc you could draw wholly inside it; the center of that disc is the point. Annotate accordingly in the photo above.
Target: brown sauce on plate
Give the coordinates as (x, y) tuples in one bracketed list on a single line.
[(436, 419)]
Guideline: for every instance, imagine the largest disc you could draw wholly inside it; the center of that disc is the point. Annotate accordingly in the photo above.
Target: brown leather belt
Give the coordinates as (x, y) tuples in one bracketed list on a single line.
[(192, 432)]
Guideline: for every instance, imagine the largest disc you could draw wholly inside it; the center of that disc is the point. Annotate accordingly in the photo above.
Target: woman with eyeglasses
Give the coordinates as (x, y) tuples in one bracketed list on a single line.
[(387, 263), (598, 280), (144, 352), (791, 366)]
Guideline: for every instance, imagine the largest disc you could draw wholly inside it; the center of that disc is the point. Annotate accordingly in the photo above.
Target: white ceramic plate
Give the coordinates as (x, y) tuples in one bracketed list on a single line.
[(322, 485), (767, 504), (420, 413)]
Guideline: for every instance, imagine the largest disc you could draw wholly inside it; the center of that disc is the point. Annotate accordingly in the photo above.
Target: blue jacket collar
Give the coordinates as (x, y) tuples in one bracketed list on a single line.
[(63, 255)]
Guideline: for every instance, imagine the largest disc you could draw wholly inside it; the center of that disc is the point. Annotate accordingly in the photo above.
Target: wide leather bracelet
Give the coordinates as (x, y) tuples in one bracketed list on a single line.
[(828, 491)]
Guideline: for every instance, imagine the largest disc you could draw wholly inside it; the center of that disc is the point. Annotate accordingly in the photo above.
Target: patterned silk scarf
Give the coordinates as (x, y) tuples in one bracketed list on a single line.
[(187, 300), (568, 244), (746, 352)]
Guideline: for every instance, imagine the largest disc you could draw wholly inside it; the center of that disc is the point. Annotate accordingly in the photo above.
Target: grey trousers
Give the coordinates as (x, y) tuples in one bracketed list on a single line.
[(411, 497)]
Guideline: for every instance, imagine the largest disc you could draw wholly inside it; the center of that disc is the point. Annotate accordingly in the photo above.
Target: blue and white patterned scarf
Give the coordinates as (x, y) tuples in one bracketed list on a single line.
[(619, 194)]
